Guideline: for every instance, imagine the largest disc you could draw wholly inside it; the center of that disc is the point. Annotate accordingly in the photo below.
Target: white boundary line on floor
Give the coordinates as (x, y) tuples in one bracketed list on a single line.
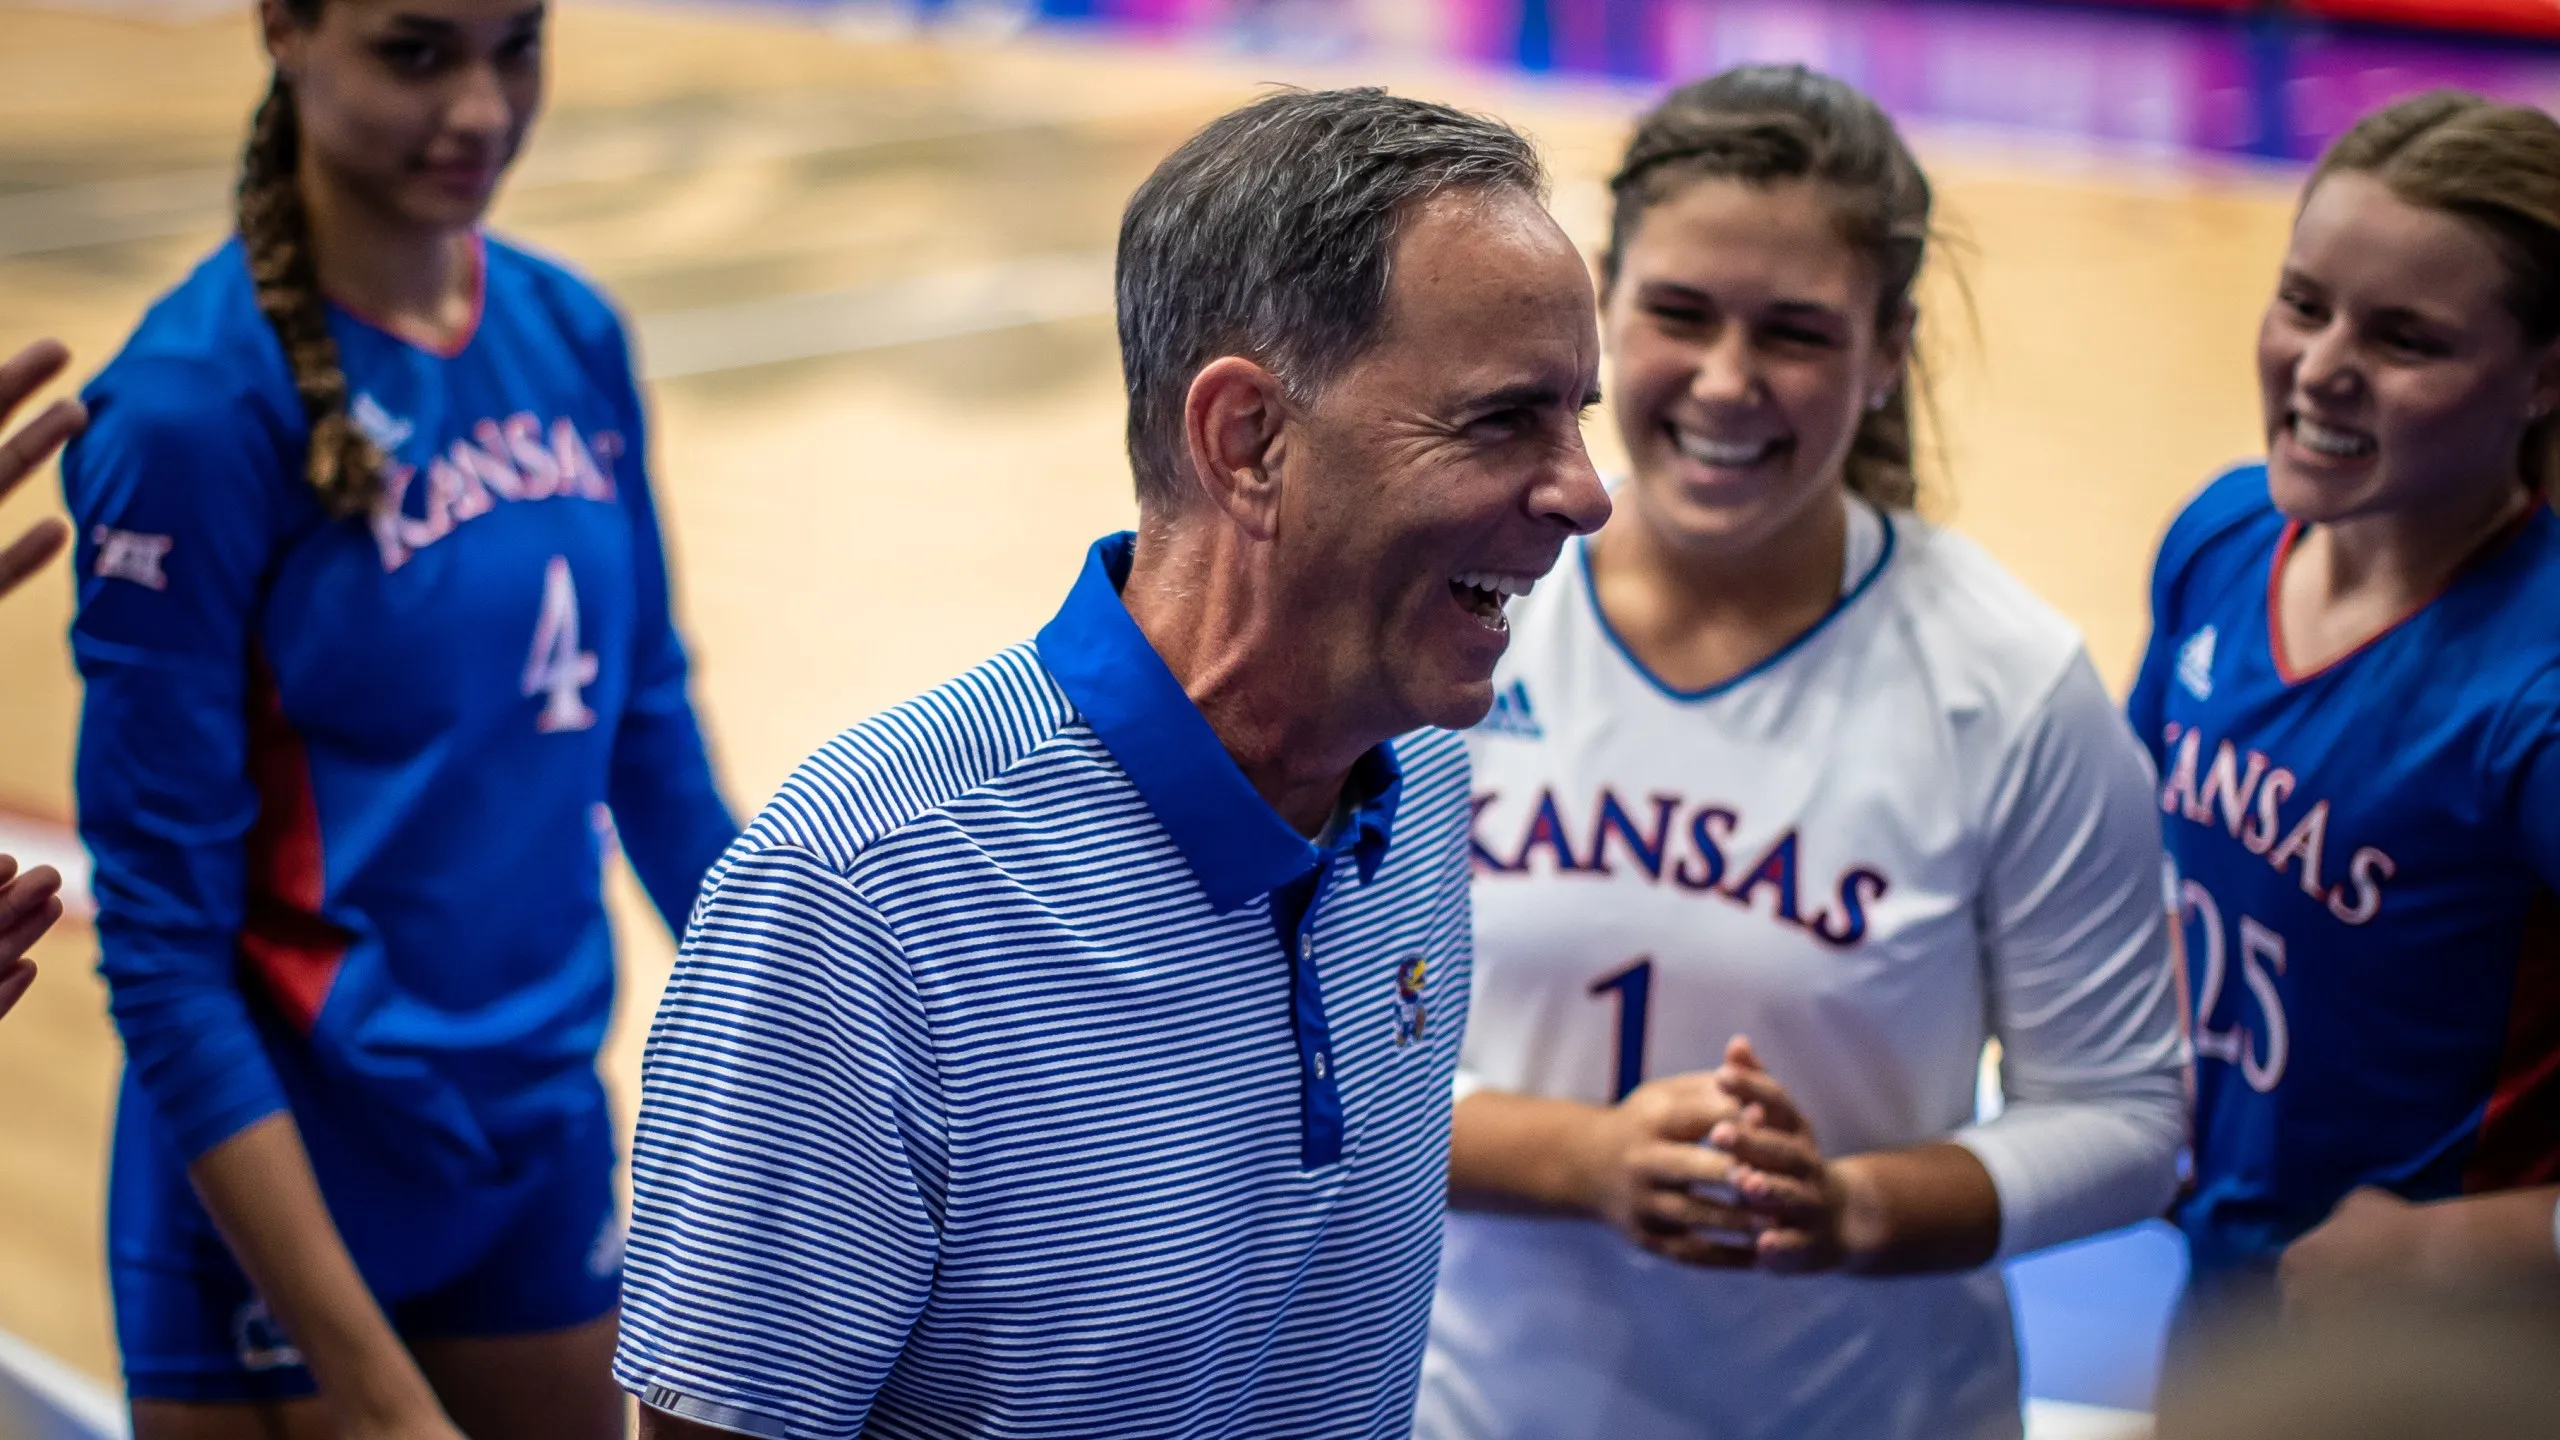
[(43, 1399)]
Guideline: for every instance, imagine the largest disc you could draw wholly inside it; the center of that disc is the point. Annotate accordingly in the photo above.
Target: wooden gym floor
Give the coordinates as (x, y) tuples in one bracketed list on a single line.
[(871, 280)]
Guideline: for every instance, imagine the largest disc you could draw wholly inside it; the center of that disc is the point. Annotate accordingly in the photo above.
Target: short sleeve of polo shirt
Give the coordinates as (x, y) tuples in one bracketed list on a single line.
[(786, 1177)]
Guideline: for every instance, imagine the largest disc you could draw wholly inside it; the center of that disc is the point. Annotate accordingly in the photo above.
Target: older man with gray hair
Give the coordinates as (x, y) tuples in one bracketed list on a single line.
[(1067, 1052)]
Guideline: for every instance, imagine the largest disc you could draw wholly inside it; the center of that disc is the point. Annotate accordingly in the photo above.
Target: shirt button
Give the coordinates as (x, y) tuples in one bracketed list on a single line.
[(1319, 1064)]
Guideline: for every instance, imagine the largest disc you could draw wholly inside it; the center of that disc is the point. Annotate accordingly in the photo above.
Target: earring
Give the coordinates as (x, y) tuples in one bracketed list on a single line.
[(1879, 400)]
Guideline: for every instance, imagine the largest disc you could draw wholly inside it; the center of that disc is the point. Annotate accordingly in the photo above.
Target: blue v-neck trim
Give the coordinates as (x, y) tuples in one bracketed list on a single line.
[(1849, 597)]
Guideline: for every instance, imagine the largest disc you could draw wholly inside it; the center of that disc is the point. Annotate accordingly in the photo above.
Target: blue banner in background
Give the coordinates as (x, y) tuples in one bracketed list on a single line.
[(2206, 77)]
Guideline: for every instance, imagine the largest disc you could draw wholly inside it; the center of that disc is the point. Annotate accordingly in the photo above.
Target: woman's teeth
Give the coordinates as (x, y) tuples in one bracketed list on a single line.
[(1482, 593), (1723, 454), (2320, 439)]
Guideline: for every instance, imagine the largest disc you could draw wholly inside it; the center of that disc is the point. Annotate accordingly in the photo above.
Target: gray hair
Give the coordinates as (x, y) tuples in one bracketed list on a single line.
[(1269, 235)]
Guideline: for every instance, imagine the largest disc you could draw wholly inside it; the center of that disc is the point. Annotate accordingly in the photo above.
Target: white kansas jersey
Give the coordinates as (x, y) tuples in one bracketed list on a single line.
[(1921, 825)]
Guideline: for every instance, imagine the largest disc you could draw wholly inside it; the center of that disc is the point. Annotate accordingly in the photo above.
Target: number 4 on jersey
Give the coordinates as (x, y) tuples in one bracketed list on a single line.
[(558, 670)]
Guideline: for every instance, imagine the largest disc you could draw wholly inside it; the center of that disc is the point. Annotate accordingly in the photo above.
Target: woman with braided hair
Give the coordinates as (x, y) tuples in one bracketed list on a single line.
[(1789, 801), (374, 619)]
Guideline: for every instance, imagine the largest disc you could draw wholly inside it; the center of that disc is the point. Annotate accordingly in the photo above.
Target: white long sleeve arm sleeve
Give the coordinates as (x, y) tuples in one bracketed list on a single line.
[(2082, 980)]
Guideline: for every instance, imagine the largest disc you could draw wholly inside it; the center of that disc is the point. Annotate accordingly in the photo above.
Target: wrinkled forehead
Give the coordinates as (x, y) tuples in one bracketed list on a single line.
[(1485, 280)]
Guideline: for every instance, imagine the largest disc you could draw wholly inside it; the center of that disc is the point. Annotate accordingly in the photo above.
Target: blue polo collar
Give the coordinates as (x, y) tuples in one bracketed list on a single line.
[(1235, 843)]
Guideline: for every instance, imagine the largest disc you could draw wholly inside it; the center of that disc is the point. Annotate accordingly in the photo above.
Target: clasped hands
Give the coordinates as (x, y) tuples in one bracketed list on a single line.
[(1717, 1168)]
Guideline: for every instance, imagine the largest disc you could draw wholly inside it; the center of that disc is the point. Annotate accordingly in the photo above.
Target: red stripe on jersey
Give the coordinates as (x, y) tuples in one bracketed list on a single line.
[(289, 947), (2520, 1131)]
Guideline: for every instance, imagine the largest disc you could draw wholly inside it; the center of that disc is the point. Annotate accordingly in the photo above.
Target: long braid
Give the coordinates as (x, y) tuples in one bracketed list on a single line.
[(342, 464)]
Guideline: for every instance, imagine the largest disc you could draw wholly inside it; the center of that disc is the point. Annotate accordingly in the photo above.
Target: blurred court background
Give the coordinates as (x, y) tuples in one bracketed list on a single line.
[(865, 246)]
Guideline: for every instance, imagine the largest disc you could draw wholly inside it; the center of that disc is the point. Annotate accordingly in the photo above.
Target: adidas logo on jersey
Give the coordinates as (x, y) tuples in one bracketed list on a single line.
[(2195, 664), (387, 431), (1511, 714)]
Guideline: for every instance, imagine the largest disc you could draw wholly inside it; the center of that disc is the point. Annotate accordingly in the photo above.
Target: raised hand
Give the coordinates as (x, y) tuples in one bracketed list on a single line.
[(22, 375), (29, 904)]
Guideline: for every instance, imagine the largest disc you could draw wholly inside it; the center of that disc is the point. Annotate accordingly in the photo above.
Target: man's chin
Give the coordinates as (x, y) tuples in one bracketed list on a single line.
[(1456, 705)]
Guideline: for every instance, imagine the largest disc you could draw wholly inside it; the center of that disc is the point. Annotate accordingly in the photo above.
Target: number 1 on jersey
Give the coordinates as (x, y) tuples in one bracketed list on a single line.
[(558, 670), (1634, 989)]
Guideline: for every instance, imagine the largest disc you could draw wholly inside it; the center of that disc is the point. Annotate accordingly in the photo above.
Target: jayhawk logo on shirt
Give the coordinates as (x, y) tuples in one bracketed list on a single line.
[(1410, 1013)]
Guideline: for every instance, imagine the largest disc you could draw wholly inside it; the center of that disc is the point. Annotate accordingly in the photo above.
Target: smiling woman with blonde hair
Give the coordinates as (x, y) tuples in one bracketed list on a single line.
[(2353, 693)]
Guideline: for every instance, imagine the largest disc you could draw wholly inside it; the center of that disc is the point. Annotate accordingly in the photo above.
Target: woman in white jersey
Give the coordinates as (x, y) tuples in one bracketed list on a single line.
[(1772, 758)]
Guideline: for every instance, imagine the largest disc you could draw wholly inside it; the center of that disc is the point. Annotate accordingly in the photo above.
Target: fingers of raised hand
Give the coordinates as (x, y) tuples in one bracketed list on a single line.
[(26, 372), (26, 555), (29, 904), (15, 977), (27, 448), (20, 933)]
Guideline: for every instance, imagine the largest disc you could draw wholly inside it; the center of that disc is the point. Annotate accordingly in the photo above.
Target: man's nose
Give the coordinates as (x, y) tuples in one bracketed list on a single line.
[(1571, 493)]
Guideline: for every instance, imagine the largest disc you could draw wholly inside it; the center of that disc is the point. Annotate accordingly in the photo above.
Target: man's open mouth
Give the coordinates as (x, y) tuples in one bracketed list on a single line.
[(1483, 593)]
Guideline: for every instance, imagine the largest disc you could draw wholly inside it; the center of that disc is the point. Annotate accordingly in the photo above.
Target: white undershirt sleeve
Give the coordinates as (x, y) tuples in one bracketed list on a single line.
[(2081, 981)]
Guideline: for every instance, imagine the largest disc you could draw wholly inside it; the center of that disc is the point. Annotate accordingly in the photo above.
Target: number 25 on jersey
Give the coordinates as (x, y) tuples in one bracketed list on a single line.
[(2261, 961), (558, 670)]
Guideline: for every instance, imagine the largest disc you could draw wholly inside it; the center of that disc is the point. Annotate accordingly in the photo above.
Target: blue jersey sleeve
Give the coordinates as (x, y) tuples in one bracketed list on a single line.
[(2227, 499), (174, 495), (666, 802)]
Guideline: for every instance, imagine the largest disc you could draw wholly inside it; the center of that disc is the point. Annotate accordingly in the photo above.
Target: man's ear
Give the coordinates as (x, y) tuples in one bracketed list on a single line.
[(1231, 422)]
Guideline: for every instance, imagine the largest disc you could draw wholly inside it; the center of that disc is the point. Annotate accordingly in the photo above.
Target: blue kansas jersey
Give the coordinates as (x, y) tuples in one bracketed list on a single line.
[(2366, 856), (350, 786)]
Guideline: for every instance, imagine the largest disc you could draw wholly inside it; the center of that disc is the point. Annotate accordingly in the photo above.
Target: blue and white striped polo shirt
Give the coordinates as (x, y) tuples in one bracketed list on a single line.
[(997, 1093)]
